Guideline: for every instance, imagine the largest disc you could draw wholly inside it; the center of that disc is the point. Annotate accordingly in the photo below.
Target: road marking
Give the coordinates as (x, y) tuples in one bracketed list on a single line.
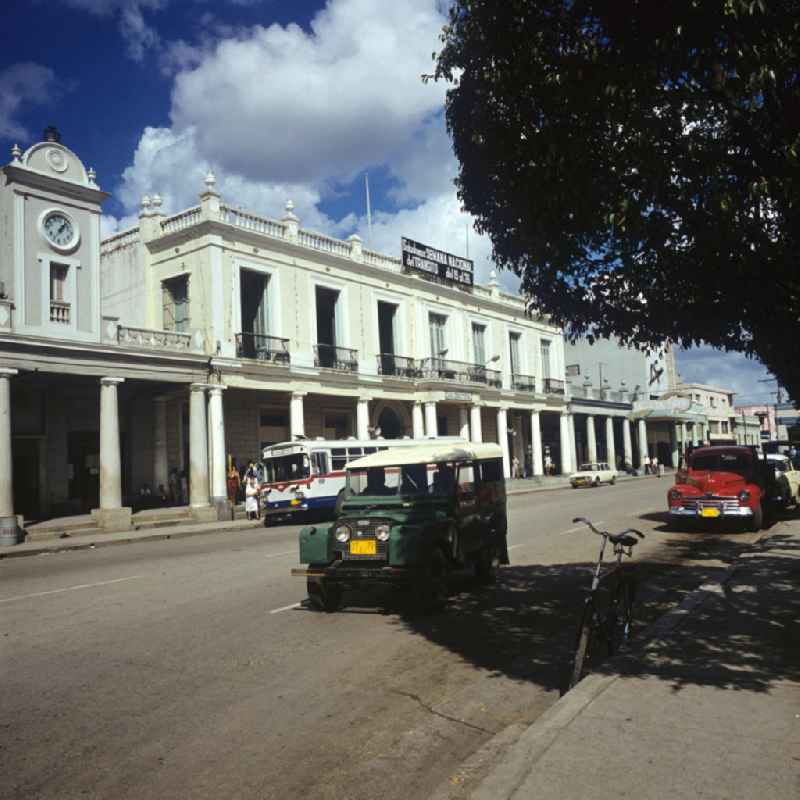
[(581, 527), (278, 555), (285, 608), (69, 589)]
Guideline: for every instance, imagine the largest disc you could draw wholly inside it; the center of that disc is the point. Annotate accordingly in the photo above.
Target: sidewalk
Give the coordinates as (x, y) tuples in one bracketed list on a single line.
[(709, 708), (541, 483)]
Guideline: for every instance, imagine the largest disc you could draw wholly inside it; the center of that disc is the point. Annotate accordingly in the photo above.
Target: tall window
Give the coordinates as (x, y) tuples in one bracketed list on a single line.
[(254, 292), (58, 282), (479, 343), (513, 347), (544, 349), (437, 324), (175, 301)]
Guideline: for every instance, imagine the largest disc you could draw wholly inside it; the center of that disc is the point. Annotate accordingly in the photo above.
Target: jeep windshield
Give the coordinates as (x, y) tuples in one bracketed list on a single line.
[(738, 463), (408, 480)]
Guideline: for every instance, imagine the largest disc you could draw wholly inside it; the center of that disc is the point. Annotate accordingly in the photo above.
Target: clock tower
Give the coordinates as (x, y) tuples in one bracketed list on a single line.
[(50, 244)]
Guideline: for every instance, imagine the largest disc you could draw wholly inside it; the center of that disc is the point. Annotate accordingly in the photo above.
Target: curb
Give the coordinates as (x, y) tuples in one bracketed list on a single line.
[(522, 753), (64, 545), (539, 488)]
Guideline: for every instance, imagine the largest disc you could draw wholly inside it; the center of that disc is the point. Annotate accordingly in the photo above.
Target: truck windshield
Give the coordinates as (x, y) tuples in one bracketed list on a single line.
[(721, 462), (409, 480), (286, 468)]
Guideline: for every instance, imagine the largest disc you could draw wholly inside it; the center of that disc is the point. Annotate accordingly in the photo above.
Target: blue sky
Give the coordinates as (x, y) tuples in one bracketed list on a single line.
[(282, 99)]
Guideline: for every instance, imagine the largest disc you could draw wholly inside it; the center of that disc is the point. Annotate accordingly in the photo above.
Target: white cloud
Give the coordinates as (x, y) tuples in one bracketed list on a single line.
[(20, 84)]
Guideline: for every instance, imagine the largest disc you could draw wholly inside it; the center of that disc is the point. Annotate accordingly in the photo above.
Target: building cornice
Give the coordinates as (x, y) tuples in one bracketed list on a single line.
[(33, 179)]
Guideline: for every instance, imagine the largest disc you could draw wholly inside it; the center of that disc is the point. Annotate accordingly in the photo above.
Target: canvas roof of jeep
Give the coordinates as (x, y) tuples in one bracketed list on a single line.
[(433, 453)]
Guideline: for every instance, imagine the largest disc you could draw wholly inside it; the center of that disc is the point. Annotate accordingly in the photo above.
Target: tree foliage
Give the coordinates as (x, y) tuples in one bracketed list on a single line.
[(637, 163)]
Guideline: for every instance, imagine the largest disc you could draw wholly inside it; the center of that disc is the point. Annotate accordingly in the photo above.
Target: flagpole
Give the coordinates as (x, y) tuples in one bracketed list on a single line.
[(369, 210)]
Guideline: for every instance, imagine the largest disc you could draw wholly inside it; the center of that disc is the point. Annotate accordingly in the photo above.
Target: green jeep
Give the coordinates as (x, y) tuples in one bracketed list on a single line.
[(410, 517)]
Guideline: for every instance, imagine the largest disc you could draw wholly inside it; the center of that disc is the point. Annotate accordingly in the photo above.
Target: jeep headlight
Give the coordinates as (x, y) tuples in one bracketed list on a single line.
[(382, 532), (342, 533)]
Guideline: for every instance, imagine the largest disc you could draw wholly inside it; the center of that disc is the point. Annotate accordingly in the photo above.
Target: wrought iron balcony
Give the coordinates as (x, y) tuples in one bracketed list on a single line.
[(262, 348), (398, 366), (523, 383), (553, 386), (332, 357), (460, 372)]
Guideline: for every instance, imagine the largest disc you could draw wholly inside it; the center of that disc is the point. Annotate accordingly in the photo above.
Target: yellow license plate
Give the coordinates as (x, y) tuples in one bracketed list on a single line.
[(709, 512), (368, 547)]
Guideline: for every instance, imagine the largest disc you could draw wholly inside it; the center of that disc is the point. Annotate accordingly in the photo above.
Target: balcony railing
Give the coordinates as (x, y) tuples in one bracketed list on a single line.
[(262, 347), (553, 386), (398, 366), (461, 372), (333, 357), (523, 383), (59, 312)]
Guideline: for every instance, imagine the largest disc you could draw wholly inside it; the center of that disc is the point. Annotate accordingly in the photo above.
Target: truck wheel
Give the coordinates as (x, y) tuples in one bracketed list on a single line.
[(323, 595), (486, 563), (430, 588), (758, 519)]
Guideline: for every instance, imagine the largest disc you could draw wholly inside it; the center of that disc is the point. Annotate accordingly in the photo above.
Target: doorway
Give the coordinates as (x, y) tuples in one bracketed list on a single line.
[(326, 300), (386, 319)]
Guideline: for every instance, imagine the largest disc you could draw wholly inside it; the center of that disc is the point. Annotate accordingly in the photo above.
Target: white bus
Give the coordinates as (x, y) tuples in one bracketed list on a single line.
[(308, 475)]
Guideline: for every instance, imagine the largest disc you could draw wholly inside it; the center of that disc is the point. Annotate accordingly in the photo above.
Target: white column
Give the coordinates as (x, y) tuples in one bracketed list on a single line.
[(642, 441), (417, 421), (160, 458), (502, 439), (110, 459), (566, 445), (297, 425), (430, 419), (675, 451), (198, 446), (216, 426), (684, 436), (463, 419), (536, 444), (362, 418), (611, 448), (475, 424), (573, 447), (694, 434), (7, 518), (591, 438), (626, 441)]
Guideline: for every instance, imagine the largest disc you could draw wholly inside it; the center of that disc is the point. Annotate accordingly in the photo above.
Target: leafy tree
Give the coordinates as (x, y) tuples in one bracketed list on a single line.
[(637, 163)]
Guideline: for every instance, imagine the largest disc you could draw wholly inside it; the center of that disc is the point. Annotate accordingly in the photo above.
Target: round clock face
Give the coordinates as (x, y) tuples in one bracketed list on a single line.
[(59, 229)]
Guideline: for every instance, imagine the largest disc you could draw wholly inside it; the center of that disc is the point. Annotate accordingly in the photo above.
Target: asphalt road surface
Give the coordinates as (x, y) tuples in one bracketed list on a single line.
[(192, 668)]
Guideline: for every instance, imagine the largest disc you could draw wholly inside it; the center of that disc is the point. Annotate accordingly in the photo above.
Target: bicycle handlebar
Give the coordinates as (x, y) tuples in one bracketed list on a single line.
[(613, 537)]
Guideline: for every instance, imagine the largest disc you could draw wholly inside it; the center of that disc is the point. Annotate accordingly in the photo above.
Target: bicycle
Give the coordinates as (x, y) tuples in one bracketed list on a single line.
[(613, 627)]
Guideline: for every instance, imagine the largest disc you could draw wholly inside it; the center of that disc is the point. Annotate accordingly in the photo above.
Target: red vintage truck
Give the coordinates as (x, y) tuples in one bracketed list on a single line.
[(721, 483)]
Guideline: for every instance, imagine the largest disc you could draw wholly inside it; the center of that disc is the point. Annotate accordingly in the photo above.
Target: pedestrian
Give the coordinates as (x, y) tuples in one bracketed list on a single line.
[(654, 466), (660, 469), (162, 493), (251, 498), (646, 464), (172, 484), (233, 483), (184, 488), (515, 467)]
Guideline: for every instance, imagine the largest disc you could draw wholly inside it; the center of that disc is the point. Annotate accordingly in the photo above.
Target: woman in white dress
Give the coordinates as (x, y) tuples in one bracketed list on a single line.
[(251, 498)]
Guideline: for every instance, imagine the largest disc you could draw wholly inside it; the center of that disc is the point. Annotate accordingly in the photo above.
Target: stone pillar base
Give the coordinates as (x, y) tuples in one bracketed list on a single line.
[(112, 519), (204, 514), (11, 531), (223, 508)]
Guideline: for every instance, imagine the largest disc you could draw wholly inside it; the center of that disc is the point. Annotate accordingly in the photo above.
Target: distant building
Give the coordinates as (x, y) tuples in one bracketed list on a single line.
[(718, 406), (765, 414)]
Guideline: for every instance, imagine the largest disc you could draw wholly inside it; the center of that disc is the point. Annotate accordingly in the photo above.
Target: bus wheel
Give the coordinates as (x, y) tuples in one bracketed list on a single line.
[(323, 595)]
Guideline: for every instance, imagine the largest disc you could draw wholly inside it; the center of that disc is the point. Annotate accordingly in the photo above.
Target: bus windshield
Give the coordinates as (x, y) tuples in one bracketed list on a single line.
[(286, 468)]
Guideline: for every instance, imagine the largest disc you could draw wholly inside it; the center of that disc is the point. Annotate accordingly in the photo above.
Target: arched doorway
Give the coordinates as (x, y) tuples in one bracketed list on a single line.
[(390, 424)]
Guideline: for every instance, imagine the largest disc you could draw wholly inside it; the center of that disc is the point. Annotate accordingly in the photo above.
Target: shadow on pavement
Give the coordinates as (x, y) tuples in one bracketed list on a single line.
[(524, 628)]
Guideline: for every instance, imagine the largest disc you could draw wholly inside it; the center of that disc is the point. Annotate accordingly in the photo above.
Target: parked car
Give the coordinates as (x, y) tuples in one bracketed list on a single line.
[(411, 516), (723, 482), (593, 474), (787, 480)]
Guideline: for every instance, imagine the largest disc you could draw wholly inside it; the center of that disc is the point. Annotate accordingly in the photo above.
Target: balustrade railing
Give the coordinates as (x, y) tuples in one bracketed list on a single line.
[(553, 386), (177, 222), (460, 372), (523, 383), (118, 241), (332, 357), (375, 259), (252, 222), (59, 312), (262, 347), (398, 366), (145, 337), (325, 244)]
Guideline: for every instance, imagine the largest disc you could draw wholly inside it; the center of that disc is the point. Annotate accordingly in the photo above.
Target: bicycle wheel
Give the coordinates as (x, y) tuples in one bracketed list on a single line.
[(619, 621), (587, 643)]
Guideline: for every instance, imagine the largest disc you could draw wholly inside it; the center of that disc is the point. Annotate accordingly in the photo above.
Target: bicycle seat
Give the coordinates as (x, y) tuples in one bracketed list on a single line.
[(625, 539)]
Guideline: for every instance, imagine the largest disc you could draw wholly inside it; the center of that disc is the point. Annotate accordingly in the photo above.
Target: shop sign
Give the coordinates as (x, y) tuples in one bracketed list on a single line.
[(462, 396), (433, 263)]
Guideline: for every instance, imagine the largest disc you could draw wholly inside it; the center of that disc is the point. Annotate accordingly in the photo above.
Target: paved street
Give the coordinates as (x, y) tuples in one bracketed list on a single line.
[(186, 668)]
